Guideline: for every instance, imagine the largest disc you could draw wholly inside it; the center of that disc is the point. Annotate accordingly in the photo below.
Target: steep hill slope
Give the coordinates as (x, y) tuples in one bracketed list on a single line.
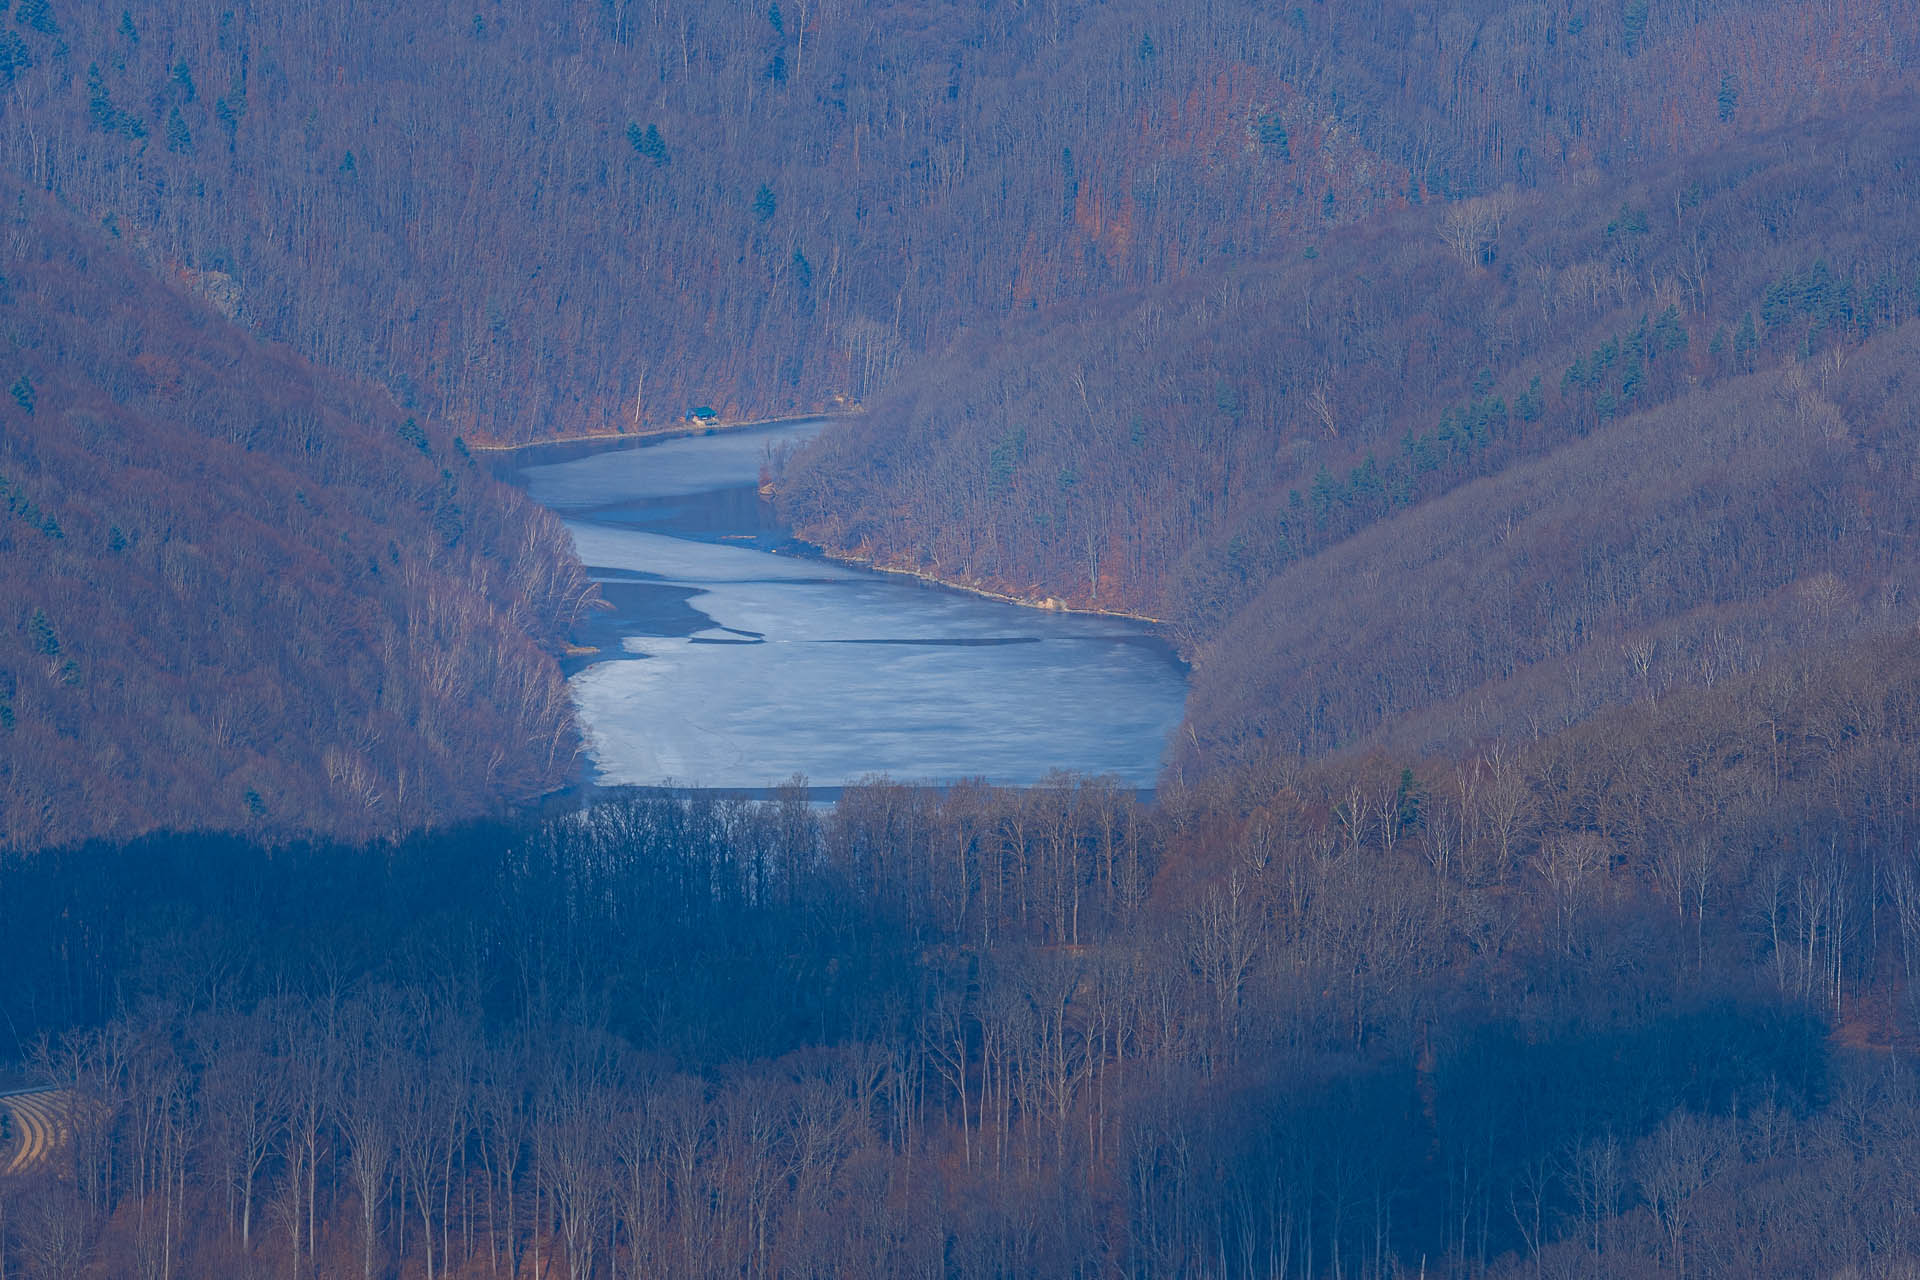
[(596, 215), (238, 592), (1680, 547), (1652, 416)]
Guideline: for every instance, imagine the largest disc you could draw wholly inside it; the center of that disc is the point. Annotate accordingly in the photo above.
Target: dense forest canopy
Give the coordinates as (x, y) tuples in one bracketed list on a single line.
[(238, 591), (1507, 407), (1633, 999), (1457, 471), (592, 216)]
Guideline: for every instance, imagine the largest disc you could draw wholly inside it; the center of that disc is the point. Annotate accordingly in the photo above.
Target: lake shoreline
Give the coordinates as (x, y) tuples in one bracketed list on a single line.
[(640, 438), (1046, 604), (718, 667)]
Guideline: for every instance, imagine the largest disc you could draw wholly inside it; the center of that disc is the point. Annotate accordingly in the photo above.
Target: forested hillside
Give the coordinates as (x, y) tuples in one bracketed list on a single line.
[(1500, 462), (594, 216), (1508, 408), (240, 592), (1634, 999)]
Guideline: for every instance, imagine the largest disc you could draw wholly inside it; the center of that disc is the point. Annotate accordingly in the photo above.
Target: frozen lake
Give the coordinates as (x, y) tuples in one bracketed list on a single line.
[(730, 660)]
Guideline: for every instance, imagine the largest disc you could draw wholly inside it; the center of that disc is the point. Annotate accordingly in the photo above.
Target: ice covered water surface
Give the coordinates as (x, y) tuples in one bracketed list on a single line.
[(681, 560), (750, 715), (834, 672), (672, 468)]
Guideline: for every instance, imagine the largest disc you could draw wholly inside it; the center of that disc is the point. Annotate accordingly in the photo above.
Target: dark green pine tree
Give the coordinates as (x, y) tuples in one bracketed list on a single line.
[(40, 631), (647, 142), (100, 112), (37, 15), (14, 57), (179, 137)]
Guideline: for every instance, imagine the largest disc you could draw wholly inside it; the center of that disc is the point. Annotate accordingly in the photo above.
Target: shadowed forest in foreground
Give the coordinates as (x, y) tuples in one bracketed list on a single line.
[(1507, 408), (1624, 1000)]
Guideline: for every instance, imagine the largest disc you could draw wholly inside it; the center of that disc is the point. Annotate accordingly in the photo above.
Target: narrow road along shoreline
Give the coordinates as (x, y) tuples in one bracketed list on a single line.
[(662, 433), (1049, 604)]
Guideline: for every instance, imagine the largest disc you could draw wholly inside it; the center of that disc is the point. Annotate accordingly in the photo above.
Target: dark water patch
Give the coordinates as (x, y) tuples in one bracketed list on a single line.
[(624, 577), (652, 609), (639, 608), (512, 464), (938, 688), (738, 516), (644, 605)]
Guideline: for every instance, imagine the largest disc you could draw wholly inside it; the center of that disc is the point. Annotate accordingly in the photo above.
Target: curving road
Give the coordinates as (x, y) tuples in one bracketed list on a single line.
[(38, 1130)]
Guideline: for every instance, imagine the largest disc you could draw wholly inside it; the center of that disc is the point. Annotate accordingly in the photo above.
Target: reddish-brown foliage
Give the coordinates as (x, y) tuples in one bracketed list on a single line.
[(238, 592)]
